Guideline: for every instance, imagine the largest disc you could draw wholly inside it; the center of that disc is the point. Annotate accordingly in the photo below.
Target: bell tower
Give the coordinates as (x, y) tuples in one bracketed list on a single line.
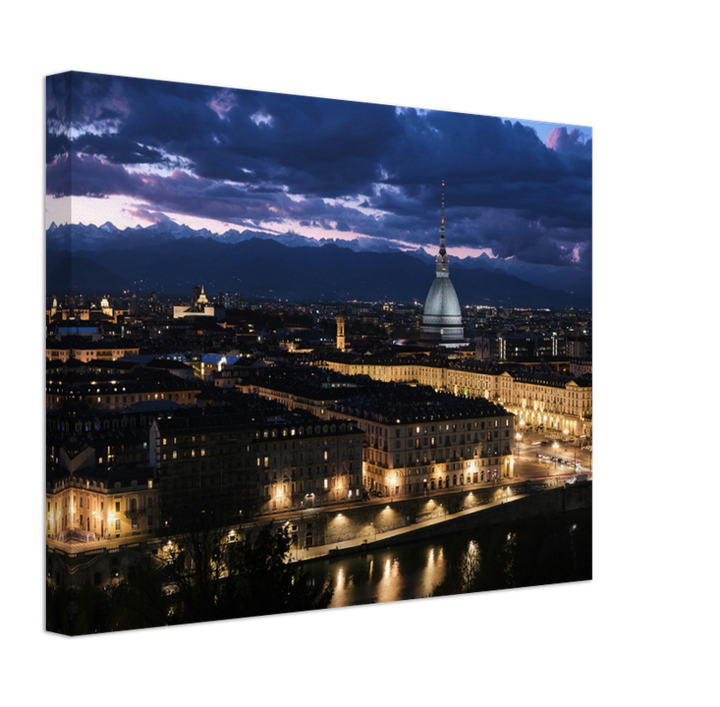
[(340, 332)]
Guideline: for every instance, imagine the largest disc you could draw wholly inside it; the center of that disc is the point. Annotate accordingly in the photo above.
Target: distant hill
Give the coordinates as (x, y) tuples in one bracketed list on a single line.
[(265, 268), (72, 275)]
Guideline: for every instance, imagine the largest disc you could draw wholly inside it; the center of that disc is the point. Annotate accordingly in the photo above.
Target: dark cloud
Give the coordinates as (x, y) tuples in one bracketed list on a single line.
[(236, 156), (84, 175), (80, 175), (312, 146), (118, 150), (489, 166)]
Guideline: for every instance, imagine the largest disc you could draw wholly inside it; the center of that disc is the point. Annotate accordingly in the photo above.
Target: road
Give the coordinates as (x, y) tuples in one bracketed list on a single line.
[(529, 465)]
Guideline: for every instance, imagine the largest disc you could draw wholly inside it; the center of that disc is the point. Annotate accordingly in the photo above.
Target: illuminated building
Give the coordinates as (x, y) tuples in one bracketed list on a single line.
[(95, 504), (419, 440), (442, 319), (261, 456), (538, 397), (302, 462), (97, 518), (341, 332), (200, 307), (98, 313), (84, 350), (99, 486), (205, 365), (114, 385)]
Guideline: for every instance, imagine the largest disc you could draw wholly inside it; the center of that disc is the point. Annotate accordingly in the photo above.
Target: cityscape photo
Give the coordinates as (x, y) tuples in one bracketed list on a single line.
[(304, 353)]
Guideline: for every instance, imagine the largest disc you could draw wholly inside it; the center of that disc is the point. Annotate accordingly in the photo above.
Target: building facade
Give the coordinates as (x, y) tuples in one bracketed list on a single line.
[(260, 456), (94, 504), (537, 397), (85, 350), (108, 389), (308, 465), (418, 441)]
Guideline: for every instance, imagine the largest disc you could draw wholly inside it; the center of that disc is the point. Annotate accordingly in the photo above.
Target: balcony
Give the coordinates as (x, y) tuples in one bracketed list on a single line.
[(135, 512)]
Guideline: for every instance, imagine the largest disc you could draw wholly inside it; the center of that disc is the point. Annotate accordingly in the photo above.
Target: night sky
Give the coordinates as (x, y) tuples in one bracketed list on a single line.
[(144, 151)]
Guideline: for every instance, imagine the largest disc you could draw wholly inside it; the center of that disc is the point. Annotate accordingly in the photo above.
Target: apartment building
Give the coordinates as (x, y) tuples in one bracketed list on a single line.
[(84, 349), (114, 389), (418, 440), (536, 395), (257, 456)]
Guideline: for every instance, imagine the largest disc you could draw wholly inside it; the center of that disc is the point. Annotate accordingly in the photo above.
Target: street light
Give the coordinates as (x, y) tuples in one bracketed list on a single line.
[(555, 447), (518, 437), (391, 484)]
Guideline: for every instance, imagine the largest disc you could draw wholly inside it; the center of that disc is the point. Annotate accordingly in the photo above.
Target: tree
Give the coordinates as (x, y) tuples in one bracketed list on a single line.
[(218, 575), (57, 605), (141, 599), (265, 582), (195, 569)]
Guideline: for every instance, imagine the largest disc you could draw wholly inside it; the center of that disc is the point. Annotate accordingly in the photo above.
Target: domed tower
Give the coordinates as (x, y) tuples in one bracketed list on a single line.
[(442, 319)]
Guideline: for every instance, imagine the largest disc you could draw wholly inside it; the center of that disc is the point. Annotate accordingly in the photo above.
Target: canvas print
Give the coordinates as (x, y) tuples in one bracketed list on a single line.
[(305, 353)]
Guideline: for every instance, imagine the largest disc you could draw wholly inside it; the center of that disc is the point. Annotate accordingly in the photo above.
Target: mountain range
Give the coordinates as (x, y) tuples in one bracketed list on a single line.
[(173, 259)]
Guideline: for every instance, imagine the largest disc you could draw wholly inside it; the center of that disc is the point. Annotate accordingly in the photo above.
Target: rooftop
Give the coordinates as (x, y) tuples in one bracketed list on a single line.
[(396, 403), (102, 475)]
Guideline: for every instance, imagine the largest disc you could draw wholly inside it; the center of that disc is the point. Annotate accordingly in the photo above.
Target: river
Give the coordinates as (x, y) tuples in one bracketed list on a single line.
[(542, 550)]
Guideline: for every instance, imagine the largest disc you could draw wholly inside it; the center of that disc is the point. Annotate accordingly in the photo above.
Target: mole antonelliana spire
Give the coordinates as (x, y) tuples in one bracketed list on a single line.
[(442, 320), (442, 256)]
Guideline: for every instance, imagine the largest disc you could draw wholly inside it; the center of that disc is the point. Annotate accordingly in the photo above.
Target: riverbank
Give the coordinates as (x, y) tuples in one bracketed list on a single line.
[(327, 532), (555, 500)]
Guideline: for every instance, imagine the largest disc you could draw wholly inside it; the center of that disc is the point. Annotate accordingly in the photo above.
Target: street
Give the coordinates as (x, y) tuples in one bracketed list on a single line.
[(528, 465), (534, 452)]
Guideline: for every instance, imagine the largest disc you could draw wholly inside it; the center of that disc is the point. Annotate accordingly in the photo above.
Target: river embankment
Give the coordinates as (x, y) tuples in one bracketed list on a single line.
[(360, 530)]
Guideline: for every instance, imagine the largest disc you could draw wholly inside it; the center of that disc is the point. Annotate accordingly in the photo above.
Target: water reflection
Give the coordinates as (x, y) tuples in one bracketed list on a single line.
[(509, 552), (512, 555), (434, 571), (388, 589), (388, 575), (469, 566)]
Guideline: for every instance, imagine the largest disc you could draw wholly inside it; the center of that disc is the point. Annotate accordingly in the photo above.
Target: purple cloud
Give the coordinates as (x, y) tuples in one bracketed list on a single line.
[(572, 142)]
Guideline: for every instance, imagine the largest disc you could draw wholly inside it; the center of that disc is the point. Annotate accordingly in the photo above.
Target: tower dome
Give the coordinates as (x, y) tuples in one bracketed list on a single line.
[(442, 319)]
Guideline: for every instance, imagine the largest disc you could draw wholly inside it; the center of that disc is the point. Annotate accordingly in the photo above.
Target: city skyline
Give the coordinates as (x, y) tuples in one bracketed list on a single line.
[(141, 152)]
